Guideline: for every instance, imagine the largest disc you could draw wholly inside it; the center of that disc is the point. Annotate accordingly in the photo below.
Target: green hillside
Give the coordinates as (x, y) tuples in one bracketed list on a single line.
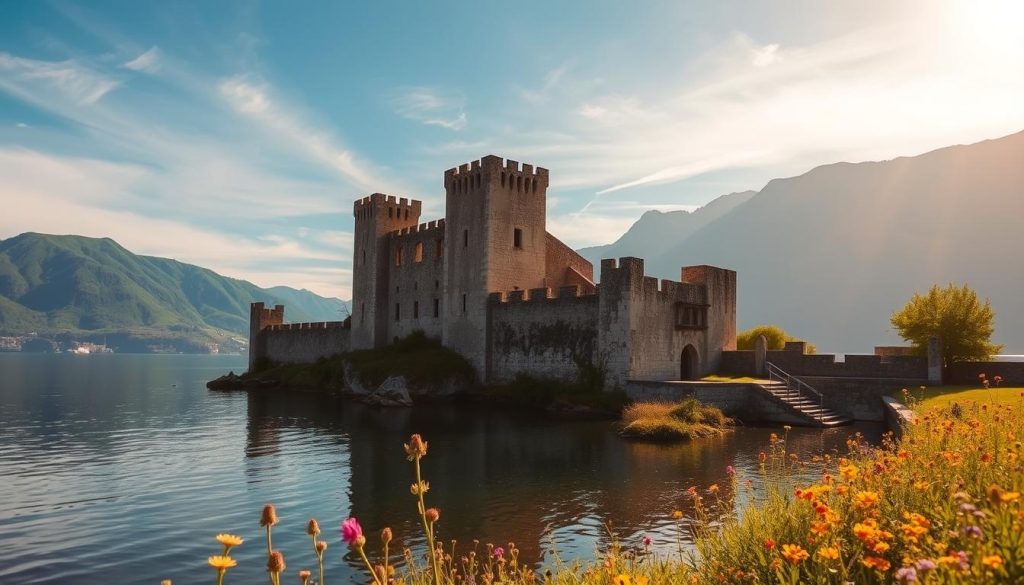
[(84, 287)]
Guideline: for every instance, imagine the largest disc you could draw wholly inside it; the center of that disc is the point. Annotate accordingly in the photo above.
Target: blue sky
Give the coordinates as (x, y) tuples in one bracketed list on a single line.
[(236, 135)]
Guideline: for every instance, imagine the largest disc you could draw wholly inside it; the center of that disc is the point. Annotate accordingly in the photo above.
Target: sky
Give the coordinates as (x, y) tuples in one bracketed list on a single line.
[(236, 135)]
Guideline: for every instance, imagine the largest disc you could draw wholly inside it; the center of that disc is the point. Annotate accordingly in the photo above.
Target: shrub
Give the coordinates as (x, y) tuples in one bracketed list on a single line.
[(773, 334), (685, 420)]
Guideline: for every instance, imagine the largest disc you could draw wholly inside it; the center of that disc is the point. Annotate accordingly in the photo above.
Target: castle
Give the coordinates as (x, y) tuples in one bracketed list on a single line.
[(490, 282)]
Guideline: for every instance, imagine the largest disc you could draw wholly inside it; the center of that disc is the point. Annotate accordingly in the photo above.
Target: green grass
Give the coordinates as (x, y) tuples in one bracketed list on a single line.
[(730, 378), (537, 392), (939, 396), (664, 421)]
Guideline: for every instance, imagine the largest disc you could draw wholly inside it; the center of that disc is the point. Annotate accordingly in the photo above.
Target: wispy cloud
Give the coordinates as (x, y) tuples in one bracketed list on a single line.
[(76, 81), (432, 107), (552, 79), (148, 62)]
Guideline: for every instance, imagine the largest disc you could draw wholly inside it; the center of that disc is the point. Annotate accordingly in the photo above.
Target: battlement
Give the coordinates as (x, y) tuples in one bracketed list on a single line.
[(309, 326), (368, 206), (506, 172), (423, 228), (261, 317), (539, 294)]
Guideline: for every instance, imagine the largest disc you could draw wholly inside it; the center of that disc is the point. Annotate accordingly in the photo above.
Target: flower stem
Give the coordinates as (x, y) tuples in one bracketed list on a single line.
[(220, 576), (428, 529), (369, 567)]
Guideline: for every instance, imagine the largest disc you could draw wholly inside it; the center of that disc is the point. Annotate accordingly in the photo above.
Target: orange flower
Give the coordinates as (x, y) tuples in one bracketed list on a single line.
[(880, 547), (222, 563), (794, 553), (865, 499), (819, 528), (769, 544), (877, 563), (992, 561), (713, 489), (828, 553)]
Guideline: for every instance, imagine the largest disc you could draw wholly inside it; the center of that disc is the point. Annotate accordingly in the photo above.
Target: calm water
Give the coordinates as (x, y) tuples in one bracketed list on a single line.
[(123, 467)]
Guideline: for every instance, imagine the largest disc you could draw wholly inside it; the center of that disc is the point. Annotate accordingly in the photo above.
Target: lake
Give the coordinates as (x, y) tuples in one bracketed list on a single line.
[(123, 468)]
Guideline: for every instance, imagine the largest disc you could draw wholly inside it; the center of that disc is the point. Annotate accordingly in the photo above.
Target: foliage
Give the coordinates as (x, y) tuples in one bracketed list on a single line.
[(588, 390), (684, 420), (773, 334), (954, 314), (418, 358)]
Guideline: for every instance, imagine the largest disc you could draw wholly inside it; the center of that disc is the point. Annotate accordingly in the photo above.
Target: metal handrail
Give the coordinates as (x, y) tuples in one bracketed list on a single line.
[(791, 381)]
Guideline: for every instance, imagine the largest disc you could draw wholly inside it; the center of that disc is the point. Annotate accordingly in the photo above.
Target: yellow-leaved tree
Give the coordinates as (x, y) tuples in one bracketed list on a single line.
[(955, 315)]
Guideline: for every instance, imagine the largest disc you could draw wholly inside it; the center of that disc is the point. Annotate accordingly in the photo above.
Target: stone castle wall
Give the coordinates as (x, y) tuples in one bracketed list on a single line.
[(540, 334), (415, 289), (967, 373), (301, 343)]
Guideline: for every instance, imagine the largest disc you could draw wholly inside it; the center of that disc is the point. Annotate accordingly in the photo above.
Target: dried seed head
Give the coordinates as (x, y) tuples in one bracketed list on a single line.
[(433, 514), (269, 516), (313, 528), (275, 562), (385, 535), (321, 546)]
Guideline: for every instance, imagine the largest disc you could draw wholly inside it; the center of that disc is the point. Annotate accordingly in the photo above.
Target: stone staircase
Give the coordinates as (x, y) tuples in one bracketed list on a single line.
[(801, 400)]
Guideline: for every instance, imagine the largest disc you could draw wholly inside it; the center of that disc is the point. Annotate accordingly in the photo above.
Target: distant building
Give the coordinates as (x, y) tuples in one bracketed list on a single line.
[(490, 282)]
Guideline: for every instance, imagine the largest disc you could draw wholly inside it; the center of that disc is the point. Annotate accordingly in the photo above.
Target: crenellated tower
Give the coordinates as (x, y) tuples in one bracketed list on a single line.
[(375, 217), (495, 241)]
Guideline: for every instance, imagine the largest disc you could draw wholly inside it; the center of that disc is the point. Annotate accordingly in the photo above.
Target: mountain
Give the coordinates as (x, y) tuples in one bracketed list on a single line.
[(654, 228), (85, 287), (830, 254)]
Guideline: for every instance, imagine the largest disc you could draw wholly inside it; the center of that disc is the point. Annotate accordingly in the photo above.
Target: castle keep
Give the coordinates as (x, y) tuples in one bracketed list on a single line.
[(490, 282)]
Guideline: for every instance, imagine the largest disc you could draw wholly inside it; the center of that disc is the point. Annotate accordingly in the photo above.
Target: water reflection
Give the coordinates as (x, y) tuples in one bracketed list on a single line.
[(127, 465)]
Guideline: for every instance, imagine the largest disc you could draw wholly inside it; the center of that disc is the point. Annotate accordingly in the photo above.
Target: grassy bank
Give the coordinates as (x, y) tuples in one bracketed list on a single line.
[(938, 396), (672, 421)]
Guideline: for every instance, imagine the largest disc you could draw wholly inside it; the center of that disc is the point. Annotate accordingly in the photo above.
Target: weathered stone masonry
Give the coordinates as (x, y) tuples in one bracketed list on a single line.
[(490, 282)]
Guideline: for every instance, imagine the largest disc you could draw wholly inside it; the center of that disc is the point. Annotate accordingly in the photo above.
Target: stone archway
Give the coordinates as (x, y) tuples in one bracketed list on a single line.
[(689, 363)]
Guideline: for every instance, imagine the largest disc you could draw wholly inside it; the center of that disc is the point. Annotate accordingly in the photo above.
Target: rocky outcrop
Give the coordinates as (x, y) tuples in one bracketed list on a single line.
[(392, 392)]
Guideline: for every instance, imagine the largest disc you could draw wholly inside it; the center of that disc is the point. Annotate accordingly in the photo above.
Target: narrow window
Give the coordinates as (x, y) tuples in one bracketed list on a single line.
[(415, 309), (407, 213), (398, 311), (465, 238), (437, 308), (517, 238), (437, 284), (364, 257), (362, 312), (398, 256), (463, 302), (438, 248), (417, 255), (391, 212)]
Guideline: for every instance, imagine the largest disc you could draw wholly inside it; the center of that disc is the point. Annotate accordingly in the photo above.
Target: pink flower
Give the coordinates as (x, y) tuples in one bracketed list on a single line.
[(499, 552), (351, 531), (647, 541), (730, 470)]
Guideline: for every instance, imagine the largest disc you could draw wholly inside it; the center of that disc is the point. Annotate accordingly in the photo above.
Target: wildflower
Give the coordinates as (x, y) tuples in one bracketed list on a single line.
[(498, 552), (416, 447), (229, 540), (622, 580), (677, 514), (730, 470), (269, 516), (713, 489), (1009, 497), (769, 544), (774, 565), (762, 457), (925, 565), (992, 561), (877, 563), (351, 531), (848, 471), (313, 528), (385, 535), (432, 515), (972, 531), (647, 541), (906, 575), (819, 528), (866, 499), (880, 547), (321, 546), (419, 488), (794, 553), (222, 563), (275, 562), (304, 575), (828, 553)]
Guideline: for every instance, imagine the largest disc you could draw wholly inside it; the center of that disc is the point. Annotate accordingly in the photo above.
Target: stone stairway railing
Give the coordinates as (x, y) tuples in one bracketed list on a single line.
[(802, 398)]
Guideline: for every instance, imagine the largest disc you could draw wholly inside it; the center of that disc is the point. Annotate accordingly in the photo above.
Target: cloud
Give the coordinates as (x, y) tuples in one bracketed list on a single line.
[(21, 125), (766, 55), (432, 107), (148, 62), (552, 79), (246, 96), (78, 83)]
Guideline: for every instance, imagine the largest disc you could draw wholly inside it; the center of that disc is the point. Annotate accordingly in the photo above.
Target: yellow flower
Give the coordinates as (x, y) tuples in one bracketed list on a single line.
[(794, 553), (992, 561), (229, 539), (713, 489), (1009, 497), (880, 547), (677, 514), (849, 472), (622, 580), (866, 499), (819, 528), (222, 563), (828, 553)]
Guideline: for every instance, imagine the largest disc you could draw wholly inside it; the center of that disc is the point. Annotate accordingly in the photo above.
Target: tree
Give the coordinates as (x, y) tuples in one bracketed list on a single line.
[(773, 334), (954, 314)]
